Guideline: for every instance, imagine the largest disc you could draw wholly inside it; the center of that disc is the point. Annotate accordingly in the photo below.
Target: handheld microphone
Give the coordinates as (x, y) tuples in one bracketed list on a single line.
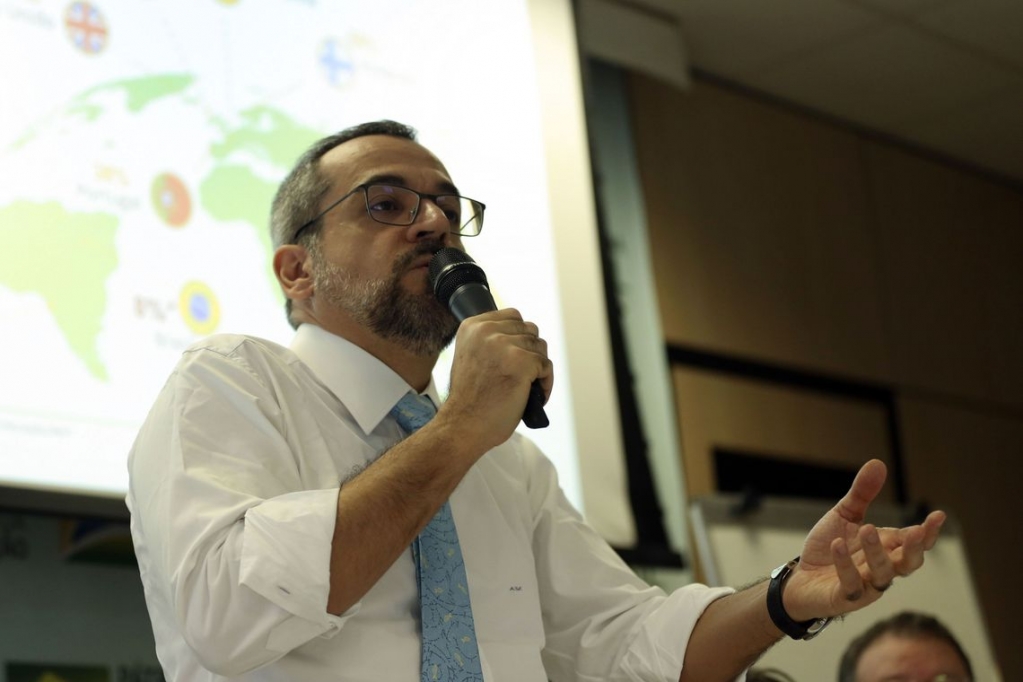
[(461, 286)]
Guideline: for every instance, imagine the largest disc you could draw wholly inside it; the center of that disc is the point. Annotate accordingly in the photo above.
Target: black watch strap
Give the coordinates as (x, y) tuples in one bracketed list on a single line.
[(807, 629)]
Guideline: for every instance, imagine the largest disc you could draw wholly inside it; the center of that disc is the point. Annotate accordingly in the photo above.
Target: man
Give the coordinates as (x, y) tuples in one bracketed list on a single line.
[(275, 493), (907, 647)]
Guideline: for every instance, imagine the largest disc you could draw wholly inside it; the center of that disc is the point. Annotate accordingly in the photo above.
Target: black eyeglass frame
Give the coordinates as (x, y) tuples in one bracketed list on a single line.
[(415, 213)]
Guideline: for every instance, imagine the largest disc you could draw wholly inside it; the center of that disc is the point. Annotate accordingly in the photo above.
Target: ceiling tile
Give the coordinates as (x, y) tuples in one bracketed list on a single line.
[(737, 37), (902, 8), (885, 77), (944, 74), (993, 28), (658, 6)]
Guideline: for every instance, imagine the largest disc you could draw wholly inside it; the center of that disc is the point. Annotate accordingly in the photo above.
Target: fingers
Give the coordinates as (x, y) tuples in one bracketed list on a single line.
[(865, 487), (868, 558), (932, 527), (498, 356), (907, 546), (886, 553), (531, 341), (509, 322), (547, 380), (858, 563), (849, 577), (509, 345), (870, 575), (879, 562), (919, 539), (852, 537), (526, 336)]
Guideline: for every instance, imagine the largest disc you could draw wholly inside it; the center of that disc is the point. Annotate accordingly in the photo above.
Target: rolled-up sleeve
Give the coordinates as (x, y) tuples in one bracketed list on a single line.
[(233, 542), (277, 533), (601, 621)]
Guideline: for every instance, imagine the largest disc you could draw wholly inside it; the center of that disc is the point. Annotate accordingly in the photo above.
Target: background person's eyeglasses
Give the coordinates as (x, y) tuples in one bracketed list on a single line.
[(940, 677), (396, 205)]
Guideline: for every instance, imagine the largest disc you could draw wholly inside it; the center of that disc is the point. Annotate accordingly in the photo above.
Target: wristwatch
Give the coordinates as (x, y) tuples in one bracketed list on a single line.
[(807, 629)]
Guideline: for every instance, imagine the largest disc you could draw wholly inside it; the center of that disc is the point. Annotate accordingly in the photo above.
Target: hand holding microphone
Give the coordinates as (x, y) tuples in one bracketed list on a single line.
[(461, 286)]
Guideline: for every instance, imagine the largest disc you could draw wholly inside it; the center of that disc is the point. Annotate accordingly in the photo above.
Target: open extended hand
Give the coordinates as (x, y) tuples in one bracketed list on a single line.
[(847, 564)]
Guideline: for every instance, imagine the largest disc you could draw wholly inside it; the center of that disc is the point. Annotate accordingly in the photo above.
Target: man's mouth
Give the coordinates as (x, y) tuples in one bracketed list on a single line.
[(420, 258), (421, 263)]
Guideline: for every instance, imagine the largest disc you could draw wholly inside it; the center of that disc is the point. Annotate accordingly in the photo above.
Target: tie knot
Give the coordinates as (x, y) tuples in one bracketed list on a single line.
[(413, 410)]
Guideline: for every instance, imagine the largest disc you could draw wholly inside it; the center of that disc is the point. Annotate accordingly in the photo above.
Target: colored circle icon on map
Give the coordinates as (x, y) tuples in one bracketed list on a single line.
[(86, 27), (171, 199), (336, 62), (199, 308)]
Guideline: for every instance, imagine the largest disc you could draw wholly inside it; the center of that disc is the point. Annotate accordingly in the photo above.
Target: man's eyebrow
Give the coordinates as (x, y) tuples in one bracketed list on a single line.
[(445, 187)]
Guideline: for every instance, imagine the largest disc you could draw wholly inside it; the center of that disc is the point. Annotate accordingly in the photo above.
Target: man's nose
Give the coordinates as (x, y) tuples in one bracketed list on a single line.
[(431, 221)]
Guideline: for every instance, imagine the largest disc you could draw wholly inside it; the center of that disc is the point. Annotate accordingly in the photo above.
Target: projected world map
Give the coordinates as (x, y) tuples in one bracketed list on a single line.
[(140, 147), (115, 227), (80, 246)]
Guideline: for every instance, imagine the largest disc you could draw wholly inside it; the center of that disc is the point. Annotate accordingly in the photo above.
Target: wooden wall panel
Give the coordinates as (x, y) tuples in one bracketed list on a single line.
[(952, 245), (781, 239), (1004, 295), (972, 463), (759, 231), (721, 411)]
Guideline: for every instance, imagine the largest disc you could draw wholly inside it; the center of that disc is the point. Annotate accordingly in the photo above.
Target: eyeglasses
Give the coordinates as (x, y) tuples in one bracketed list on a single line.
[(396, 205)]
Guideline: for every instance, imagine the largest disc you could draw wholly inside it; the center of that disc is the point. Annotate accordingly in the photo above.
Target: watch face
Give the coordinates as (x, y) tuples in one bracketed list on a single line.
[(776, 572), (816, 628)]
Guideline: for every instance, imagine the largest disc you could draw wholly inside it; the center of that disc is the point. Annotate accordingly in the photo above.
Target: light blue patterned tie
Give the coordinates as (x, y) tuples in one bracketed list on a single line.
[(450, 652)]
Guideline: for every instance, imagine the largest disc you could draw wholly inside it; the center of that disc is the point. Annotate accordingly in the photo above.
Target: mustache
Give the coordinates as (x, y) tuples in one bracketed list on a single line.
[(424, 248)]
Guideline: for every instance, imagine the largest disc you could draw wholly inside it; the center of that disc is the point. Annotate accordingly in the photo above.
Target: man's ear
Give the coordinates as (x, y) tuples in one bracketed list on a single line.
[(293, 270)]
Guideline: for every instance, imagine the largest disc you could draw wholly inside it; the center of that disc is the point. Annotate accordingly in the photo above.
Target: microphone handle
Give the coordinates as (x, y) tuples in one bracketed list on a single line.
[(474, 299), (534, 416)]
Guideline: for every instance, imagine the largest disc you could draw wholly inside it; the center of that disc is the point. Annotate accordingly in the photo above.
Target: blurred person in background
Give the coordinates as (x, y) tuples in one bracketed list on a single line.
[(907, 647)]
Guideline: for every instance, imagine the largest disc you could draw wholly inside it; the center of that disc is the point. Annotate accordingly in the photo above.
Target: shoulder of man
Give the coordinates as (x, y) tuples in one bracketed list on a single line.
[(257, 356), (237, 344)]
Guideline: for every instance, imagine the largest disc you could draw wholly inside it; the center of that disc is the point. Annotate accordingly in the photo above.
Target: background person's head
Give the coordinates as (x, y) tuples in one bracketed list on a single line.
[(767, 675), (907, 647)]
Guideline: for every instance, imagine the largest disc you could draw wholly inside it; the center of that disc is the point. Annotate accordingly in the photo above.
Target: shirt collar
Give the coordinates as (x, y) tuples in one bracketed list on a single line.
[(363, 383)]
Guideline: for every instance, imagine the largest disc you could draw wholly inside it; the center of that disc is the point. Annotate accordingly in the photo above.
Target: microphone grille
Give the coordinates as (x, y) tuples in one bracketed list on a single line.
[(450, 269)]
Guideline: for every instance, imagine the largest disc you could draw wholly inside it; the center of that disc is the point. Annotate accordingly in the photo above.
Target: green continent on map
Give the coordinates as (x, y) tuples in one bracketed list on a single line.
[(266, 133), (139, 92), (235, 193), (231, 191), (66, 258)]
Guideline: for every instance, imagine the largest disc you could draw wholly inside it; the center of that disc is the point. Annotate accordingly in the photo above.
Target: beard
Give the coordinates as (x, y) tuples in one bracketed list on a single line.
[(417, 322)]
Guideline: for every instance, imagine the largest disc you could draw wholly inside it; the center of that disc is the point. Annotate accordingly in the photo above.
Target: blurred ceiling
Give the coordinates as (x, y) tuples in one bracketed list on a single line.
[(945, 75)]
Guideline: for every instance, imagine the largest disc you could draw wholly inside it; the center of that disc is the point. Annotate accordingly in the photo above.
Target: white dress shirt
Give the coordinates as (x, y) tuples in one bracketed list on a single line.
[(234, 479)]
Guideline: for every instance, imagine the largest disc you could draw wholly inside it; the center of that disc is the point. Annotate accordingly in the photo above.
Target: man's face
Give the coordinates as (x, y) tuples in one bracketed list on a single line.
[(893, 658), (375, 275)]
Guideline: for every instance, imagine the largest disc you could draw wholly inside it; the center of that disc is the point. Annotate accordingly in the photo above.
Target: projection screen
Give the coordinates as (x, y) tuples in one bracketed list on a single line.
[(140, 145)]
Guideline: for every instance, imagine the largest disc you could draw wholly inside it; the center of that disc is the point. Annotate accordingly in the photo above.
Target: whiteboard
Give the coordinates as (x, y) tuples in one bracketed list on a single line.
[(737, 550)]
